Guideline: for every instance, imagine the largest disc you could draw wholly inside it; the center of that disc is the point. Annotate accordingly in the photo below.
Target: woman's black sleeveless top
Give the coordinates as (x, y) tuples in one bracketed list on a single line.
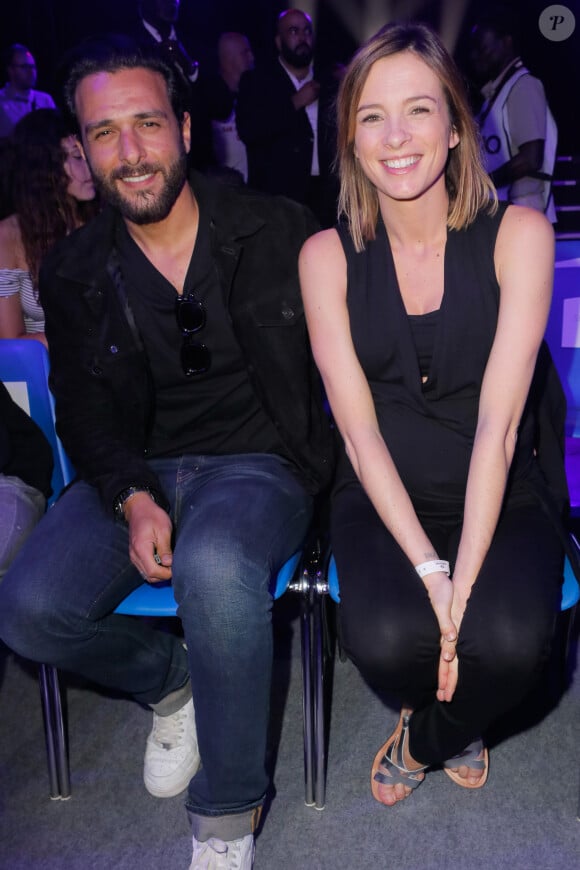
[(429, 427)]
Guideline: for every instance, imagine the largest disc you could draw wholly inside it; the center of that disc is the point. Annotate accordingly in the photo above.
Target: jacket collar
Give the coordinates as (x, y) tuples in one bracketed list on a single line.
[(232, 211)]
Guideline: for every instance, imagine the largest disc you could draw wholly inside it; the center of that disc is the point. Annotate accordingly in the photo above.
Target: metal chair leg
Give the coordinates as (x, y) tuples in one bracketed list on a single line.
[(318, 664), (58, 767), (62, 763), (307, 712), (45, 699)]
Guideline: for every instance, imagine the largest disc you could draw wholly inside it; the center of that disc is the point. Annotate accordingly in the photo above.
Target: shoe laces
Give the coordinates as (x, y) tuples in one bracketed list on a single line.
[(216, 854), (168, 731)]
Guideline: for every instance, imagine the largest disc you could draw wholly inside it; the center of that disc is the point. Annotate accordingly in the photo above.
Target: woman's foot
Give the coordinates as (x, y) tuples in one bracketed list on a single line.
[(395, 773), (469, 768)]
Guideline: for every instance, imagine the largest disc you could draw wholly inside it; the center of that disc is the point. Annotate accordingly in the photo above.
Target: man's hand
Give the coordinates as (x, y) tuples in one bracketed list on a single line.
[(149, 537), (307, 94)]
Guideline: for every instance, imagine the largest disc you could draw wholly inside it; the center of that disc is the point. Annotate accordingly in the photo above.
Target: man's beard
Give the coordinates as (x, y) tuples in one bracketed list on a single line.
[(145, 207), (300, 57)]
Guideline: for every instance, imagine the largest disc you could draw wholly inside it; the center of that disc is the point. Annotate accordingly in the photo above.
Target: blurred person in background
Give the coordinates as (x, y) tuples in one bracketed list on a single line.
[(518, 130), (18, 97), (52, 194), (25, 472), (158, 26), (158, 22), (285, 117), (235, 57)]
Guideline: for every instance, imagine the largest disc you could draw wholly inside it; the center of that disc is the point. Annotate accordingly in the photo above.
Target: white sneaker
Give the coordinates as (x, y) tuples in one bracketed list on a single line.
[(171, 754), (218, 854)]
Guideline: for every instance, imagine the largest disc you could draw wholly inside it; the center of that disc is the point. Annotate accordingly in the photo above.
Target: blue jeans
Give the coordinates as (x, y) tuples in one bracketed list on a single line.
[(236, 521)]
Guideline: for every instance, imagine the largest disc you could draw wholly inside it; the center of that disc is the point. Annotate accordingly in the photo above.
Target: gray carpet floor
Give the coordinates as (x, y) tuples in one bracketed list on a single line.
[(525, 817)]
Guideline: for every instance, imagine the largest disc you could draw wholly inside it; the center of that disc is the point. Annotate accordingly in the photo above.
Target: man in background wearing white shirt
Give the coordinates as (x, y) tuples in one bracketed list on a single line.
[(283, 118), (518, 131), (18, 97)]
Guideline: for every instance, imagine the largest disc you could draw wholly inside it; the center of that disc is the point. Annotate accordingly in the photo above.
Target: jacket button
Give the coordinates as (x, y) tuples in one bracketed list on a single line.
[(114, 348), (97, 370), (287, 313)]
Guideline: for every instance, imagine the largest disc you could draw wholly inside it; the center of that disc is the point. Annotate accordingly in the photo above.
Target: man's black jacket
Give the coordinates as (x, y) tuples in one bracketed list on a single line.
[(99, 371)]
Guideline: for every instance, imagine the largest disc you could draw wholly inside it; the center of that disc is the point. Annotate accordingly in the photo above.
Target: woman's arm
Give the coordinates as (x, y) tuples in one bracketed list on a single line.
[(12, 320), (524, 261), (322, 267), (11, 317)]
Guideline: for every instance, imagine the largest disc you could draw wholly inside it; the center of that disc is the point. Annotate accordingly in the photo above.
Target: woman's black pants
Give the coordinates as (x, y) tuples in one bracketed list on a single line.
[(390, 632)]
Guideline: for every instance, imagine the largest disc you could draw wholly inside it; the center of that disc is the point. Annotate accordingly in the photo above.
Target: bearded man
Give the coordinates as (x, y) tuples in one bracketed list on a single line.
[(187, 399), (284, 117)]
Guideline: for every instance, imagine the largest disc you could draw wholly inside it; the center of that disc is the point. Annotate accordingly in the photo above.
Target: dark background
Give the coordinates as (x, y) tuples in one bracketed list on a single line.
[(50, 27)]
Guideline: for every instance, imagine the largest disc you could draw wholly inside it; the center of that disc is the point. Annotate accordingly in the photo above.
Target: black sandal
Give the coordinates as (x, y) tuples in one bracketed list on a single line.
[(474, 756), (390, 756)]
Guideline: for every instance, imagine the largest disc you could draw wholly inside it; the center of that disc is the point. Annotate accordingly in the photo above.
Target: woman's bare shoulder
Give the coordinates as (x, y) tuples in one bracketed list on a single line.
[(524, 254), (11, 252), (324, 243), (523, 223)]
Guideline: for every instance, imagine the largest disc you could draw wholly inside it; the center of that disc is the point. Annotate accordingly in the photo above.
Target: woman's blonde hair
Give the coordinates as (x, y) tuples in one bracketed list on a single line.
[(468, 185)]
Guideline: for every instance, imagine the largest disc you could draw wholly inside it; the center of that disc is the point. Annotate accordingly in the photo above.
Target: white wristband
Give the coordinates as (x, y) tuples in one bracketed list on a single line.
[(432, 567)]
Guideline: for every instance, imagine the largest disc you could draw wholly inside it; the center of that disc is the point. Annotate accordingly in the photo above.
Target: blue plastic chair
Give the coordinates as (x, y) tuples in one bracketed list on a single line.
[(24, 362), (24, 370), (24, 367), (570, 587), (157, 600)]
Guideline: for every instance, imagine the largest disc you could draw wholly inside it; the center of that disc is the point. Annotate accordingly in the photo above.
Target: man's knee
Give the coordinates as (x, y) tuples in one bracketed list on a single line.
[(221, 570), (27, 610), (223, 592)]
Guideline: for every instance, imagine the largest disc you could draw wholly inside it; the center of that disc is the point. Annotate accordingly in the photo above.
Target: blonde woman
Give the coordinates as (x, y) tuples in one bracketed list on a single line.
[(426, 308)]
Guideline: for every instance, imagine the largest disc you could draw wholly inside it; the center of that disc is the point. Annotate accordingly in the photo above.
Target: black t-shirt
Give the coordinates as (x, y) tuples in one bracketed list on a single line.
[(213, 413)]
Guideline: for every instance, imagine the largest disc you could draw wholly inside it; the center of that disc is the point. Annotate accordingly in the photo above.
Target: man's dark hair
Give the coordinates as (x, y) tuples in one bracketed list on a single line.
[(113, 53)]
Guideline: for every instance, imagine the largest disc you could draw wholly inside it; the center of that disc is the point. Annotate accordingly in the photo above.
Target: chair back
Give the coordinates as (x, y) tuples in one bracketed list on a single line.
[(24, 368)]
